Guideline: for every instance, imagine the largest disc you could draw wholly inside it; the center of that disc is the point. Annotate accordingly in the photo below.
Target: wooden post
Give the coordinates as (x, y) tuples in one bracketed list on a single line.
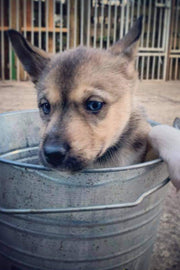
[(21, 14), (50, 25), (85, 22), (72, 11), (13, 25), (170, 40), (28, 15), (78, 24)]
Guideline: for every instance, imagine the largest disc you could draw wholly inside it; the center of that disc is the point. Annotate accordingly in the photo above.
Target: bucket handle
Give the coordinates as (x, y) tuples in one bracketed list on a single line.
[(86, 208)]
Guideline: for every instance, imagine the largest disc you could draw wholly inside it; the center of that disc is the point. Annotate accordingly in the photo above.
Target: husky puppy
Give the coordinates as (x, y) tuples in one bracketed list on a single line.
[(88, 108)]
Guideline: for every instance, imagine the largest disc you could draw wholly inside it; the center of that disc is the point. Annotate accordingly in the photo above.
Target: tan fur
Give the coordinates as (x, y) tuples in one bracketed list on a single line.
[(102, 78), (52, 89), (53, 95), (67, 82), (96, 138), (75, 136)]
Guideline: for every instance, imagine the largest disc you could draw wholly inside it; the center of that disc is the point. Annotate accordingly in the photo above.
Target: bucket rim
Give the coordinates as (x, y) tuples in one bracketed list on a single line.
[(95, 170)]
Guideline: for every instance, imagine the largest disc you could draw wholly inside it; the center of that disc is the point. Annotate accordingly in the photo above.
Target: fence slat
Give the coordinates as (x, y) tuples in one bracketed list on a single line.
[(149, 22), (127, 17), (25, 28), (2, 41), (89, 23), (61, 26), (122, 22), (75, 24), (82, 23), (160, 21), (54, 33), (47, 24), (109, 24), (115, 22), (143, 27), (39, 24), (95, 24), (68, 24), (132, 13), (17, 28), (10, 47), (102, 25)]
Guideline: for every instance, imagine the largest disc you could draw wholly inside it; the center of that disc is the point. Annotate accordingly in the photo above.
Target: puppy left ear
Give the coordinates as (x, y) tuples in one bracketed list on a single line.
[(128, 45), (33, 59)]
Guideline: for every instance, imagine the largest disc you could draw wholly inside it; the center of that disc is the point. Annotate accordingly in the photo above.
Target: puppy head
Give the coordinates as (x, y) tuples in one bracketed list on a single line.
[(84, 97)]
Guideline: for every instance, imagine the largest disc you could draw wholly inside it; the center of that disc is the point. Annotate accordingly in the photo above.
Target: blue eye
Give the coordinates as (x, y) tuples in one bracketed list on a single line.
[(94, 106), (45, 107)]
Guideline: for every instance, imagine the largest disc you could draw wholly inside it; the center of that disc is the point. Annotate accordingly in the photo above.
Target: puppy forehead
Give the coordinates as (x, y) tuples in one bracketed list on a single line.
[(72, 72), (58, 78), (61, 76)]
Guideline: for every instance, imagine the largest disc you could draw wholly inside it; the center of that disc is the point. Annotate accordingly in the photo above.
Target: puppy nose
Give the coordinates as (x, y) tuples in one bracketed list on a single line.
[(55, 153)]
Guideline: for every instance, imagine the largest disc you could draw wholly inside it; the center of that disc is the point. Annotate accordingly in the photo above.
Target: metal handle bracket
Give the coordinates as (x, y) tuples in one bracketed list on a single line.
[(86, 208)]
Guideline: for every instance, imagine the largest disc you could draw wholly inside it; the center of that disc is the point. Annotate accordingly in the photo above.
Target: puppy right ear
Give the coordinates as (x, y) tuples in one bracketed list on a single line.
[(33, 59), (128, 45)]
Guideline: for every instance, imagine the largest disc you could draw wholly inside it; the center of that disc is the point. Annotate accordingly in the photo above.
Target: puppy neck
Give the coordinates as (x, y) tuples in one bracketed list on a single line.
[(131, 146)]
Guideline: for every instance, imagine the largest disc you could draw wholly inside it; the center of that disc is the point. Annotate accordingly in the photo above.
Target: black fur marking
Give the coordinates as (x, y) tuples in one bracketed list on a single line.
[(67, 68), (138, 144), (110, 152)]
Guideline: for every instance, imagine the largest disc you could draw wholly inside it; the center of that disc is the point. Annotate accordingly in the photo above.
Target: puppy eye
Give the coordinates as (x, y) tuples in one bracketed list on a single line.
[(94, 106), (45, 107)]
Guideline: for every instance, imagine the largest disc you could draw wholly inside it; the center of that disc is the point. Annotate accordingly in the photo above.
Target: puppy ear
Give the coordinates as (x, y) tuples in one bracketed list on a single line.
[(33, 59), (128, 45)]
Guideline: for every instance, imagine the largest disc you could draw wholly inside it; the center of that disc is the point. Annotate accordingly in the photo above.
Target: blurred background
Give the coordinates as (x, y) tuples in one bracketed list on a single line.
[(55, 25)]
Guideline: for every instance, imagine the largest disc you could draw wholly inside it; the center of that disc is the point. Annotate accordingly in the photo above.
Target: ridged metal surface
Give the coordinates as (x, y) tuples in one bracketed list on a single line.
[(106, 239)]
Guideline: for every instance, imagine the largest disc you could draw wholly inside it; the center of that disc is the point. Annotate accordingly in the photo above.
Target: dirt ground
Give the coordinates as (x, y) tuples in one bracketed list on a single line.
[(162, 103)]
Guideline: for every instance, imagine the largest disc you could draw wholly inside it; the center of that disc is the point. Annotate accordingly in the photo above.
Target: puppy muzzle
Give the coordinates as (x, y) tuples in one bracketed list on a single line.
[(57, 155)]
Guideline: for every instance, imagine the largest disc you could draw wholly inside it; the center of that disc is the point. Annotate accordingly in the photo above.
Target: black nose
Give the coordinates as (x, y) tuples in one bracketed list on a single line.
[(55, 153)]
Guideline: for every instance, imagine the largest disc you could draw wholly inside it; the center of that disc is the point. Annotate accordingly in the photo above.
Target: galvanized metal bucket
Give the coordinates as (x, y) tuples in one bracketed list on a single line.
[(99, 219)]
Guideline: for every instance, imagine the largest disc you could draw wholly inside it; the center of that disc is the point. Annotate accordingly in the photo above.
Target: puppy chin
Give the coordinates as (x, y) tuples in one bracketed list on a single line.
[(70, 165)]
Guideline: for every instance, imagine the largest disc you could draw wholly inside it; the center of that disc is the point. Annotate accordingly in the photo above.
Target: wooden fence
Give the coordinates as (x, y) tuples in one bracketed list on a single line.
[(56, 25)]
